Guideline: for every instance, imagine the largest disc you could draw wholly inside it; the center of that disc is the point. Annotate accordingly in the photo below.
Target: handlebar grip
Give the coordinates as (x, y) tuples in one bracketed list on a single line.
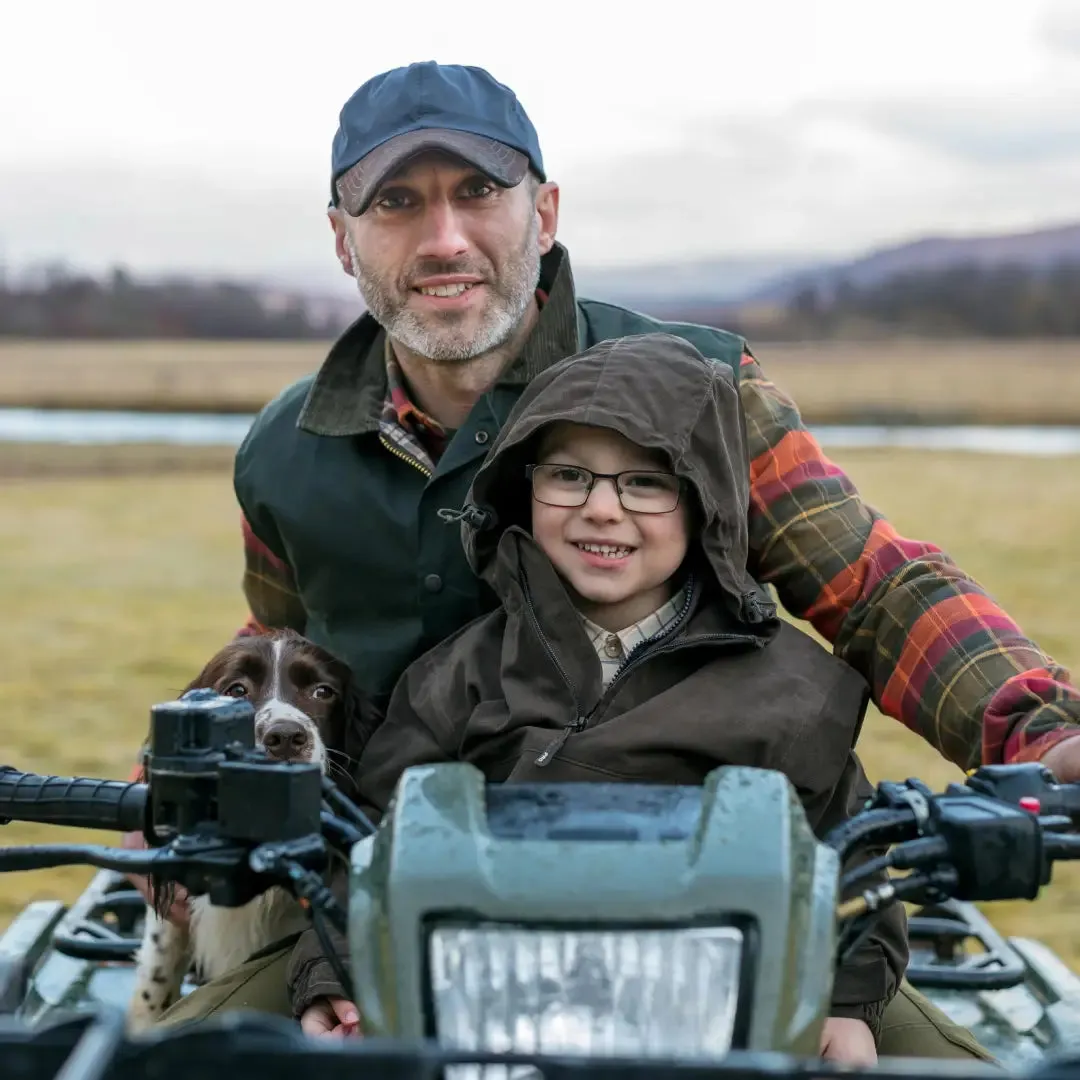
[(76, 801), (1063, 799)]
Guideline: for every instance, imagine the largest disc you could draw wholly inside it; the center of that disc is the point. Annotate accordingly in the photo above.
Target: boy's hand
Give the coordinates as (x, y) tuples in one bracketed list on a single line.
[(334, 1016), (848, 1040)]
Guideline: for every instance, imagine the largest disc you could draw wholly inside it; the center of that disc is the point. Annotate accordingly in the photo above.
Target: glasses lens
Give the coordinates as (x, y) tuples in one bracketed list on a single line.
[(561, 485), (649, 492)]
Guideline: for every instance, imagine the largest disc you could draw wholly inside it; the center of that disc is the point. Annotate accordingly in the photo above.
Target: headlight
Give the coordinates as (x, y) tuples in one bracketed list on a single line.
[(643, 993)]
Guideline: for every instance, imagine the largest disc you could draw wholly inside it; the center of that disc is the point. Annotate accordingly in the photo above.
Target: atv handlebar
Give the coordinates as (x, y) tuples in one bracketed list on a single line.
[(224, 819), (998, 832), (77, 801), (229, 822), (994, 837)]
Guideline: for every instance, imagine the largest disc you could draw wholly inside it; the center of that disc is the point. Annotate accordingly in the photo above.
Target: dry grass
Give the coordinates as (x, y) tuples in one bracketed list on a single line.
[(40, 461), (171, 376), (117, 589), (988, 382), (833, 382)]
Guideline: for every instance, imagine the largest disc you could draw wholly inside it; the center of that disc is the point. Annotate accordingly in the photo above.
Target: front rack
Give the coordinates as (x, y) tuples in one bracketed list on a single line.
[(106, 927), (937, 934)]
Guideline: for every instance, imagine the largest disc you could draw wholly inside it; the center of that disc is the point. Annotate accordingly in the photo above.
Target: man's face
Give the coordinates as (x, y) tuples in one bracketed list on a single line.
[(445, 259)]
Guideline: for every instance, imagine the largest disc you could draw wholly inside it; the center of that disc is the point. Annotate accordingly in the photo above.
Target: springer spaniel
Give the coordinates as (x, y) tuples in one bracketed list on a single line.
[(307, 708)]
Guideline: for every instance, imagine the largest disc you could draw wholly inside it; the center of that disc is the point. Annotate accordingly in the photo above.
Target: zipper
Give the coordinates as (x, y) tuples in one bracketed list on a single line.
[(644, 647), (645, 650), (404, 457), (554, 746), (531, 611), (582, 722), (639, 651)]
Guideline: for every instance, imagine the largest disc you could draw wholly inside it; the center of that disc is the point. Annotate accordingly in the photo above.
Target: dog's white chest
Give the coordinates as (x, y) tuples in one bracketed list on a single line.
[(223, 938)]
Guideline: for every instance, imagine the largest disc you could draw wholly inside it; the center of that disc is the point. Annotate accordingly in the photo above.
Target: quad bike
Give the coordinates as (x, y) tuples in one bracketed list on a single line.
[(577, 931)]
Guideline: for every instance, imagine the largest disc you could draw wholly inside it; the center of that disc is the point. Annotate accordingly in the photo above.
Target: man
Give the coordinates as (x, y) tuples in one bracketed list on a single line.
[(443, 213)]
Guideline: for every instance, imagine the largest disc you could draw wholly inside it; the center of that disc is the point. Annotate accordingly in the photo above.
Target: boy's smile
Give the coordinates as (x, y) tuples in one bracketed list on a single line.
[(618, 563), (600, 553)]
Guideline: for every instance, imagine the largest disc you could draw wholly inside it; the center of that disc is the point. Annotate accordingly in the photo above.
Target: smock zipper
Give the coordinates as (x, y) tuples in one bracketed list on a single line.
[(404, 457), (645, 650)]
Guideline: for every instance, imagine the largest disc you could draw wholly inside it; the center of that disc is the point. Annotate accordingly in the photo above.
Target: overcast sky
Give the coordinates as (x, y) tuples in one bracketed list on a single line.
[(197, 135)]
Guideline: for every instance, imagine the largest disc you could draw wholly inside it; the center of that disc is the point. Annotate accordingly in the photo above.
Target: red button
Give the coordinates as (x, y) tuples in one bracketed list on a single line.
[(1029, 802)]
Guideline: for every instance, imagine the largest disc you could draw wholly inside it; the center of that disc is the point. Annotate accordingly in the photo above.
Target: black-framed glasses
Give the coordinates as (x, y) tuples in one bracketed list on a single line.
[(641, 491)]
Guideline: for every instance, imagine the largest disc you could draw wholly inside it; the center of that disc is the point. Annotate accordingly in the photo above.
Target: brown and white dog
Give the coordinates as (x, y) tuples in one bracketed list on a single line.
[(307, 708)]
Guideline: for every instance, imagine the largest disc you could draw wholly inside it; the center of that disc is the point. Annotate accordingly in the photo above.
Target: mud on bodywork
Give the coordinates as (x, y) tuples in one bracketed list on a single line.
[(1021, 1001), (55, 962), (1013, 994)]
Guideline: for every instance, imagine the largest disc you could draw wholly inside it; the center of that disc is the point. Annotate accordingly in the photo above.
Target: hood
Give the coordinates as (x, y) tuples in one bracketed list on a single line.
[(660, 392)]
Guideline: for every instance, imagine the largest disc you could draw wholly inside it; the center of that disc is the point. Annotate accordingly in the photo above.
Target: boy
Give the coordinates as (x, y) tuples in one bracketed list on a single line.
[(610, 518)]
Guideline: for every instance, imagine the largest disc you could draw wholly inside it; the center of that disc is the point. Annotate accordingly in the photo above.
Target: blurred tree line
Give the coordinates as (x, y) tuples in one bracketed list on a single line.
[(962, 301), (997, 301), (67, 305)]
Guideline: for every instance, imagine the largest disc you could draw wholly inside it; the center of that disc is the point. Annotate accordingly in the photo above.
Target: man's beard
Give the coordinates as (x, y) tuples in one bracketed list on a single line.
[(442, 338)]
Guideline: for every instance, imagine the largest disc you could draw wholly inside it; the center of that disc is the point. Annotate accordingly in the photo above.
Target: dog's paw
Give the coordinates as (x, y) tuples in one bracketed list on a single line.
[(146, 1008)]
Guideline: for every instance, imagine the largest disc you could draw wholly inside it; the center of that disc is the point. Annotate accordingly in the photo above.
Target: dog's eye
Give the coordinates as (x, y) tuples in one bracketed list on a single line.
[(236, 689), (322, 691)]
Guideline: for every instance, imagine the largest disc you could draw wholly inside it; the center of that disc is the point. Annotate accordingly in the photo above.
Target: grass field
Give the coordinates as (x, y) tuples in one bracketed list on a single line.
[(833, 382), (116, 589)]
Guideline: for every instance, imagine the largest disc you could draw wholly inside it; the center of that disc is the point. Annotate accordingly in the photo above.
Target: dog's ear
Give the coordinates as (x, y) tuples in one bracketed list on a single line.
[(162, 894), (208, 677), (213, 670), (361, 717), (355, 719)]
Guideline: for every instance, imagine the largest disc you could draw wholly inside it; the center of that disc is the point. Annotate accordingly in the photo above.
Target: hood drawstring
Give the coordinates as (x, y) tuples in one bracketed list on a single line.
[(473, 516), (755, 609)]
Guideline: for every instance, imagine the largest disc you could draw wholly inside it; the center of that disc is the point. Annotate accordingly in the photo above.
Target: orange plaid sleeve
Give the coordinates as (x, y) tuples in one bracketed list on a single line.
[(939, 654)]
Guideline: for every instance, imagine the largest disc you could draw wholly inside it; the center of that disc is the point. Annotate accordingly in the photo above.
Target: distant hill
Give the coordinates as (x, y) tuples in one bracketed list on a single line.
[(776, 279), (954, 284), (699, 281), (1036, 250)]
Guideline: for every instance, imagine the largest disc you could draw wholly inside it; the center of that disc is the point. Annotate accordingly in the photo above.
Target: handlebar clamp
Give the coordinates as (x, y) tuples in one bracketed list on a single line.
[(203, 771)]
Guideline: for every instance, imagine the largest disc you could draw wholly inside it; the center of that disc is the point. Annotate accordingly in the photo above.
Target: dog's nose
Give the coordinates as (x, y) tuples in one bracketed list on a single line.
[(286, 739)]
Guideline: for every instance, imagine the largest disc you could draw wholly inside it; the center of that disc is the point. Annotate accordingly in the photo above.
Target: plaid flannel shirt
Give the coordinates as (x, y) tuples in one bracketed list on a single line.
[(938, 653), (613, 647)]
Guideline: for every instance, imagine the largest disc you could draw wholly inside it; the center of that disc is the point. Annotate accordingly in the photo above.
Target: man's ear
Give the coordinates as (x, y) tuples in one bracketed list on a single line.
[(547, 207), (336, 218)]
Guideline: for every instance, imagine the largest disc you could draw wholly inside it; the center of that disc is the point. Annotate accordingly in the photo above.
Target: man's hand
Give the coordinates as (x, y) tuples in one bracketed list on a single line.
[(1063, 760), (334, 1016), (178, 913), (848, 1040)]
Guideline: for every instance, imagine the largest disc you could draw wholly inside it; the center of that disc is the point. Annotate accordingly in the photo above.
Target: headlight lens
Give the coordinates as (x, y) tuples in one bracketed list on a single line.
[(643, 993)]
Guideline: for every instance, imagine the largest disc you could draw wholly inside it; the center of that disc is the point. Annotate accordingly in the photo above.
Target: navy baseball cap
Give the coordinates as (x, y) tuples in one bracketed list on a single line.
[(429, 106)]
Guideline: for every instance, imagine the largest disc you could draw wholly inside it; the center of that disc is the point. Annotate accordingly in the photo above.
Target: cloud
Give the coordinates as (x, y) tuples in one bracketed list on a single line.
[(1031, 128), (1060, 28), (831, 176), (154, 218), (828, 176)]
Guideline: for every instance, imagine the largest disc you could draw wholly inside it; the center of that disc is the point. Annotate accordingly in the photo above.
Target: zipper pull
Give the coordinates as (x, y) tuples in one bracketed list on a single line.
[(552, 749)]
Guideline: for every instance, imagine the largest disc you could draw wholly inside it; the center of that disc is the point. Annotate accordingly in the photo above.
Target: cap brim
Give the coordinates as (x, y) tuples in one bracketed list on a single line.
[(357, 186)]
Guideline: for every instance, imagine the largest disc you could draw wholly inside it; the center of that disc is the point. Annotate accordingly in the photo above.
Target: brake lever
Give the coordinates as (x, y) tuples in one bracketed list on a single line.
[(230, 874), (47, 856)]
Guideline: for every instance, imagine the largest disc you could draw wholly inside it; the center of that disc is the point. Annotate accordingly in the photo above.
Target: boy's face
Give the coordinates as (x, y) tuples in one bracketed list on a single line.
[(617, 562)]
